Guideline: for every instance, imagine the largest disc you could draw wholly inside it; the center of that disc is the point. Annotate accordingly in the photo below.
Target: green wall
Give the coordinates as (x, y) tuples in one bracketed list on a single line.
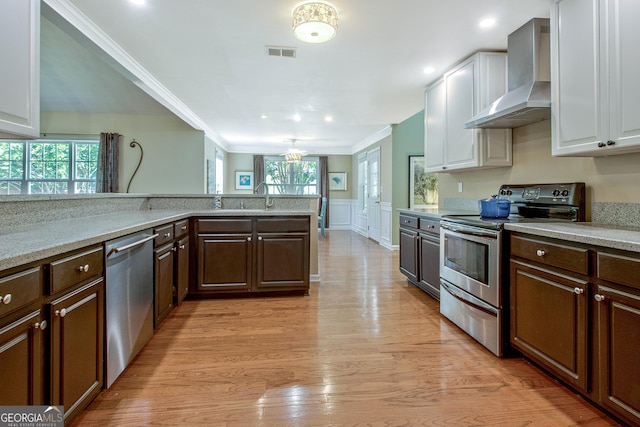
[(408, 139)]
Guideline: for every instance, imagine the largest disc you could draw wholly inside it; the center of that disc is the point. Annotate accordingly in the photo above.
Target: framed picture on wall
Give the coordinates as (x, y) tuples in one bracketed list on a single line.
[(423, 187), (244, 180), (338, 181)]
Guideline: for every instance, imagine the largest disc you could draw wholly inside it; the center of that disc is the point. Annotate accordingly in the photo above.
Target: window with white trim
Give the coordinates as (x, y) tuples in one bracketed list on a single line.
[(282, 177), (48, 167)]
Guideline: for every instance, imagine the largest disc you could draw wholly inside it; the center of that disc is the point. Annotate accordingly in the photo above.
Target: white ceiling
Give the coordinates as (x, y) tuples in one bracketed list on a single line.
[(209, 59)]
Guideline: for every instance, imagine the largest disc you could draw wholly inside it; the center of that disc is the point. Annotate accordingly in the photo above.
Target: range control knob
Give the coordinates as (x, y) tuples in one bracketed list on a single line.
[(556, 193), (503, 192), (565, 193), (509, 192)]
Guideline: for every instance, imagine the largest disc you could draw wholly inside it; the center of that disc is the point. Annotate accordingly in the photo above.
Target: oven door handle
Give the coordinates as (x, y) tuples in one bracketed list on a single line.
[(468, 230), (467, 299)]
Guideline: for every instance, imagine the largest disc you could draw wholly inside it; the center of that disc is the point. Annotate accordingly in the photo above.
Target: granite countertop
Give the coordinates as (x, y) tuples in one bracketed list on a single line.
[(22, 245), (590, 233)]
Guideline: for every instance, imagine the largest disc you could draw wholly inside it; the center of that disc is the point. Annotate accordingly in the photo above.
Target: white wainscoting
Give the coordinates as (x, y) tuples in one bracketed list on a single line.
[(386, 216), (340, 214)]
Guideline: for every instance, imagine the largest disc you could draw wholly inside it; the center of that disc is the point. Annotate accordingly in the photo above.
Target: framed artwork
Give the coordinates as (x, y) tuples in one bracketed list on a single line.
[(244, 180), (423, 187), (338, 181)]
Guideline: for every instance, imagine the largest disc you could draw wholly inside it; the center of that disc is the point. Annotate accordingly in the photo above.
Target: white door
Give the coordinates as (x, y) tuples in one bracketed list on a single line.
[(373, 192)]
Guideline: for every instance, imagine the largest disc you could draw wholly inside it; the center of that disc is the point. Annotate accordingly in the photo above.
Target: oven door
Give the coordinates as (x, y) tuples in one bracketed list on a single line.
[(470, 260)]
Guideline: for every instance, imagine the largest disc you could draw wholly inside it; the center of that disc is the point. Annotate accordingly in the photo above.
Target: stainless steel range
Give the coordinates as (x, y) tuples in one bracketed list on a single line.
[(474, 258)]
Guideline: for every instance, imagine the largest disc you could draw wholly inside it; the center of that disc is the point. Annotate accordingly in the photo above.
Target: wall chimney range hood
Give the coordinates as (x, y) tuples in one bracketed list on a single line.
[(528, 99)]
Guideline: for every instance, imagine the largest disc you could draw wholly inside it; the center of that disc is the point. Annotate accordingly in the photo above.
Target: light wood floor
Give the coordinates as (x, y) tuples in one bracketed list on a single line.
[(365, 349)]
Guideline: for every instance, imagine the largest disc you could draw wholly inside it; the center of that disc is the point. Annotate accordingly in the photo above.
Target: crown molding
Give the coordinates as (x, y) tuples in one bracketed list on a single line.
[(371, 139), (71, 20)]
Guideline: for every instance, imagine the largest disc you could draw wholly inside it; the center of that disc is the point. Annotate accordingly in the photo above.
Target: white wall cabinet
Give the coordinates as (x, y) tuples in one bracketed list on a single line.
[(20, 75), (451, 102), (595, 68)]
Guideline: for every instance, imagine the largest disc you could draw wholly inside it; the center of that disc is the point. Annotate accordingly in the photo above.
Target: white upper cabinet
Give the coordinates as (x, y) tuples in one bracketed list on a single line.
[(595, 91), (451, 102), (20, 69)]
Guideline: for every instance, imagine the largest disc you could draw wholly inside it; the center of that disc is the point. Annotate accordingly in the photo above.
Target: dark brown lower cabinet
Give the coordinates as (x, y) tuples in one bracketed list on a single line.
[(76, 342), (549, 321), (409, 253), (283, 261), (618, 317), (225, 262), (182, 269), (22, 356), (163, 282)]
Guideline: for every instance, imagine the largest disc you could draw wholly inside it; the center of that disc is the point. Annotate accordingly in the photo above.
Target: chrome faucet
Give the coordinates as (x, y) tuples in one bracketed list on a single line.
[(268, 203)]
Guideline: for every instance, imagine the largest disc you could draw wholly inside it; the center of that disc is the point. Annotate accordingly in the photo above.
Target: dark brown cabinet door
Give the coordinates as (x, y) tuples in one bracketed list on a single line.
[(283, 261), (549, 321), (22, 359), (182, 269), (76, 347), (224, 262), (618, 317), (409, 254), (163, 281), (429, 269)]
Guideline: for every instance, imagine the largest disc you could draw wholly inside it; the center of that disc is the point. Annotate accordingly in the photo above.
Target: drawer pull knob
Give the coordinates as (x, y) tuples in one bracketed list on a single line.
[(61, 313), (578, 291), (248, 239), (540, 252), (260, 238), (6, 300), (84, 268), (167, 234), (41, 325), (181, 246), (184, 227), (599, 297)]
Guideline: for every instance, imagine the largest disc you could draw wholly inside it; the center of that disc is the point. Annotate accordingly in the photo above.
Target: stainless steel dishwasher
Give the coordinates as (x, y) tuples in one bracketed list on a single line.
[(129, 299)]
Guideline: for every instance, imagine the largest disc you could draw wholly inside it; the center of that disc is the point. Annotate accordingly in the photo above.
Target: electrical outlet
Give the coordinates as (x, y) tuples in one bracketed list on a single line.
[(459, 187)]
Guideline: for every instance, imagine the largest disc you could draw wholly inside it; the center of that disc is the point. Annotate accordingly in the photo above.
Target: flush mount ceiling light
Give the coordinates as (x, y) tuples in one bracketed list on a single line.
[(315, 21)]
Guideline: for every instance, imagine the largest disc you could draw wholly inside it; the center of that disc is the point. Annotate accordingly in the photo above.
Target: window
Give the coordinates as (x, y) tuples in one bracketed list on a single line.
[(282, 177), (48, 167)]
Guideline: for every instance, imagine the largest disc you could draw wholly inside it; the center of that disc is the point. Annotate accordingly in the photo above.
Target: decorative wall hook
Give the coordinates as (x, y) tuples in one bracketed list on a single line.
[(133, 145)]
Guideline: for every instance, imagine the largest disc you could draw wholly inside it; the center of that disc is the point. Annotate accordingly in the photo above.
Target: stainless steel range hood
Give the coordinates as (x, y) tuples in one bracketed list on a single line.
[(528, 99)]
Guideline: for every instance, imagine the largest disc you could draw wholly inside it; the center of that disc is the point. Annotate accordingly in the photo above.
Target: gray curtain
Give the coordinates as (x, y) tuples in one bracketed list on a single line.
[(107, 175), (258, 172), (324, 186)]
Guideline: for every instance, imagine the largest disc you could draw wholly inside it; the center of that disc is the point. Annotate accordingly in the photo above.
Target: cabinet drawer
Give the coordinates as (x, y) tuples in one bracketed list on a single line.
[(75, 269), (20, 289), (280, 225), (569, 258), (231, 225), (618, 269), (165, 235), (430, 226), (180, 228), (408, 221)]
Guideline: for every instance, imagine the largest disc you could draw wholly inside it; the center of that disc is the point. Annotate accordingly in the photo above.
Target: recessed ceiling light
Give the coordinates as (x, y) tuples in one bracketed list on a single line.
[(138, 2), (429, 70), (297, 117), (264, 116), (328, 119), (487, 22)]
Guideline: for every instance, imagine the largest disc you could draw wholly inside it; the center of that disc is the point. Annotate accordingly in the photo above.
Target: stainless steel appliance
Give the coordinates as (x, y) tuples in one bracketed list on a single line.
[(129, 299), (474, 258)]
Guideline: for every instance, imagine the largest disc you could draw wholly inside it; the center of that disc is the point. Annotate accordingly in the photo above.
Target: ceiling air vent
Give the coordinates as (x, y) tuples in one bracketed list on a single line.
[(287, 52)]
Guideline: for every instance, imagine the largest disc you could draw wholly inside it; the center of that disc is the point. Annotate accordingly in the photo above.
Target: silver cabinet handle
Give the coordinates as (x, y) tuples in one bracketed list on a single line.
[(248, 239), (181, 246), (578, 291), (41, 325), (61, 313), (540, 252), (6, 300), (84, 268), (599, 297), (174, 249)]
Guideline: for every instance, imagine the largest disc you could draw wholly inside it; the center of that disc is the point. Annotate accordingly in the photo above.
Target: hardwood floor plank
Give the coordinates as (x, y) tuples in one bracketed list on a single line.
[(364, 349)]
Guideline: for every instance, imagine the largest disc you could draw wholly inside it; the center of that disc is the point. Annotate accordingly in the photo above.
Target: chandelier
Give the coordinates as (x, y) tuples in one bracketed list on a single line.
[(293, 157), (315, 21)]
